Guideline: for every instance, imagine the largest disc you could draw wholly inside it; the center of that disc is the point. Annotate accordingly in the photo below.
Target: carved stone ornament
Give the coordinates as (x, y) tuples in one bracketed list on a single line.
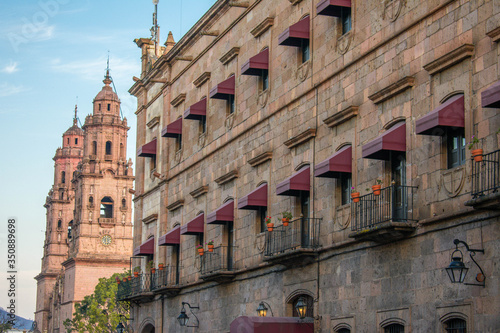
[(343, 216), (178, 156), (202, 139), (303, 71), (262, 98), (229, 121), (452, 181), (259, 242), (392, 9), (343, 42)]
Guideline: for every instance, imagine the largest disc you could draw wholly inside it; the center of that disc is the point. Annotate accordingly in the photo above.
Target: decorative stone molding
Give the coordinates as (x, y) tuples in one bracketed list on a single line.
[(230, 55), (106, 222), (201, 79), (392, 9), (344, 41), (301, 138), (202, 139), (150, 218), (229, 121), (262, 27), (213, 33), (259, 159), (452, 181), (303, 71), (392, 90), (242, 4), (263, 97), (494, 34), (342, 116), (199, 191), (295, 2), (259, 242), (227, 177), (175, 205), (153, 122), (178, 100), (184, 58), (178, 156), (343, 216), (450, 59)]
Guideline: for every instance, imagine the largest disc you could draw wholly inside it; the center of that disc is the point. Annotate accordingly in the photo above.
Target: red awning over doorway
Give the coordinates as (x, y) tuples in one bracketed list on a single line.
[(332, 7), (145, 249), (147, 150), (223, 214), (224, 90), (293, 185), (448, 114), (335, 165), (172, 130), (255, 199), (195, 226), (392, 140), (271, 325), (294, 34), (256, 64), (196, 111)]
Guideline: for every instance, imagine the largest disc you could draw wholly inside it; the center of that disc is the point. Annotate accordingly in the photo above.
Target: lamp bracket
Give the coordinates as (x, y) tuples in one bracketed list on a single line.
[(191, 309), (270, 308), (472, 253)]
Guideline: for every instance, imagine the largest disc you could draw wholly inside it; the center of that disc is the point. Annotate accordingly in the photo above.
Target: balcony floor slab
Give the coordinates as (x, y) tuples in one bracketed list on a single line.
[(384, 232)]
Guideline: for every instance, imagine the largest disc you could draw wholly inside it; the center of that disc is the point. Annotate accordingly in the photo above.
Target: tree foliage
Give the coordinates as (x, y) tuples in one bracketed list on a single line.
[(100, 312), (5, 323)]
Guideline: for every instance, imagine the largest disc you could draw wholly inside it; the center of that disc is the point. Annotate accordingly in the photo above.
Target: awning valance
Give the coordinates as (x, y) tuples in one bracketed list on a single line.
[(448, 114), (332, 7), (490, 98), (173, 237), (335, 165), (197, 111), (195, 226), (223, 214), (392, 140), (172, 130), (224, 90), (256, 64), (255, 199), (294, 34), (145, 249), (147, 150), (295, 184), (270, 325)]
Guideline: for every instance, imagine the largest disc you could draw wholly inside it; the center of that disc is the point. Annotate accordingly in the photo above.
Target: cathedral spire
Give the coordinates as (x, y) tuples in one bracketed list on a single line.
[(76, 115), (107, 79)]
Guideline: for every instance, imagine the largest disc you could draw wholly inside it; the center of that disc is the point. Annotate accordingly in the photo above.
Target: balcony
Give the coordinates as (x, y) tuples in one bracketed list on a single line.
[(385, 217), (218, 265), (485, 190), (107, 222), (294, 244), (166, 281), (139, 289)]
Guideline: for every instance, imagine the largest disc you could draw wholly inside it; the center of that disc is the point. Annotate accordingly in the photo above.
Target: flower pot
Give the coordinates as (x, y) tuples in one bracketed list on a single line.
[(376, 189), (118, 281), (285, 221), (201, 251), (210, 248), (270, 227), (355, 196), (160, 267), (129, 278), (153, 270), (477, 154), (136, 274)]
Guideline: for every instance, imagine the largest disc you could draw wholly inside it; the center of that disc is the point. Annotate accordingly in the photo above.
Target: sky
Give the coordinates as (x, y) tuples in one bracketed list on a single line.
[(53, 55)]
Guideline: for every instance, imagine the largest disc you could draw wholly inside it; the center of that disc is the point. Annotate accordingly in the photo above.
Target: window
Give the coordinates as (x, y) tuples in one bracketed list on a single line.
[(456, 325), (178, 142), (345, 19), (76, 141), (68, 141), (345, 188), (63, 177), (91, 201), (109, 107), (69, 232), (59, 224), (108, 147), (203, 125), (304, 49), (230, 105), (455, 147), (343, 330), (94, 147), (107, 207), (394, 328), (309, 302), (124, 203), (262, 218), (99, 107), (152, 163), (264, 79)]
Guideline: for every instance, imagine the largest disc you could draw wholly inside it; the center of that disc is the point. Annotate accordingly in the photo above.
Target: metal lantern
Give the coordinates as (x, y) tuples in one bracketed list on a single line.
[(183, 318), (301, 307), (457, 270), (120, 328), (262, 310)]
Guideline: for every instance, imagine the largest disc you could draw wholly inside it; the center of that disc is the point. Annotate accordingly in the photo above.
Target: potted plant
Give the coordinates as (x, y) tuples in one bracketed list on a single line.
[(150, 266), (376, 188), (118, 280), (477, 153), (161, 266), (210, 246), (137, 270), (354, 195), (200, 249), (287, 216), (270, 225)]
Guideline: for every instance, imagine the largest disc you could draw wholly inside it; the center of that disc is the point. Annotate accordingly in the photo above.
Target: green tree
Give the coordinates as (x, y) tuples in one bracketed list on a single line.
[(5, 322), (100, 312)]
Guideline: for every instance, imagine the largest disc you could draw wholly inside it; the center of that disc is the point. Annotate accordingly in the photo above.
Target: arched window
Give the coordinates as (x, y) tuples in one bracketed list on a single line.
[(456, 325), (76, 141), (107, 207), (309, 302), (343, 330), (63, 177), (91, 201), (94, 147), (59, 224), (394, 328), (124, 203), (108, 147), (122, 151)]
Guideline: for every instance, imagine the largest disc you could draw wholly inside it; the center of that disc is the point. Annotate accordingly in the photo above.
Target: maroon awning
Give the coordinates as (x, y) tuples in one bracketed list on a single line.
[(293, 185), (172, 130), (331, 7), (145, 249), (490, 98), (256, 64), (392, 140), (147, 150), (255, 199), (270, 325), (224, 89), (197, 111), (448, 114), (195, 226), (294, 34), (223, 214), (173, 237), (335, 165)]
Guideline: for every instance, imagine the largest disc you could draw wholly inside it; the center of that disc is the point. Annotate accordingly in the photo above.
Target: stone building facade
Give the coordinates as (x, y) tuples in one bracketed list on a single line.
[(266, 107), (89, 212)]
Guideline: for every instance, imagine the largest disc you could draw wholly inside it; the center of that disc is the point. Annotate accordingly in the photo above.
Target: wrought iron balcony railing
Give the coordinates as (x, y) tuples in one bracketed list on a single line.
[(394, 203), (300, 233), (124, 290), (220, 260), (486, 175), (140, 284), (165, 278)]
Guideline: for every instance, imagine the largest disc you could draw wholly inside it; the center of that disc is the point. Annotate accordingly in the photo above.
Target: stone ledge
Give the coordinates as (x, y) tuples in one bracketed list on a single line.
[(294, 258), (230, 55), (385, 232), (168, 291), (213, 33), (259, 159), (219, 277), (184, 58), (150, 218), (262, 27), (342, 116), (450, 59), (494, 34), (488, 202), (199, 191), (202, 79), (392, 90), (242, 4), (175, 205), (178, 100), (227, 177), (153, 122), (300, 138)]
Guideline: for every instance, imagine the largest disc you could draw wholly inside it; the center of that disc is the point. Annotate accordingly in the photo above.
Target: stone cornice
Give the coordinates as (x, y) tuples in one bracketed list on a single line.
[(150, 218), (494, 34), (295, 2), (262, 27), (242, 4), (262, 158), (184, 58), (199, 191), (178, 100), (201, 79), (230, 55), (342, 116), (175, 205), (450, 59), (300, 138), (227, 177), (392, 90), (213, 33), (153, 122)]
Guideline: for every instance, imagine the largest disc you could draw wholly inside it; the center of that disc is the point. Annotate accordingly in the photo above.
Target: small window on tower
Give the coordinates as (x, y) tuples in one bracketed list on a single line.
[(94, 147), (68, 141), (124, 203), (108, 147), (59, 224), (76, 141), (109, 107), (63, 177), (99, 107)]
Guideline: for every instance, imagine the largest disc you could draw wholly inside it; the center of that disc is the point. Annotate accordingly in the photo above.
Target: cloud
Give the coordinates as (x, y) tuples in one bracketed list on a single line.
[(9, 90), (10, 68)]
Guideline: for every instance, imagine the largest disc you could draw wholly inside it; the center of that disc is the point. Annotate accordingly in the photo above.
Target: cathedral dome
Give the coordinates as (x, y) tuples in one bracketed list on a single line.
[(107, 92)]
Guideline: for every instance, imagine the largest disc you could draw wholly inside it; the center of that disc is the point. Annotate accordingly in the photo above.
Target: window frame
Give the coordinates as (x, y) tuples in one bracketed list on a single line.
[(459, 152)]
